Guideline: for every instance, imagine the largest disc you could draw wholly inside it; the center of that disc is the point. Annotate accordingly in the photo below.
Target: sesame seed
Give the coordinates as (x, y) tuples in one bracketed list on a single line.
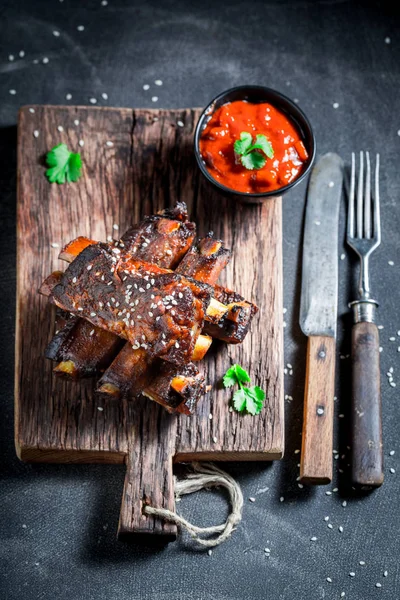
[(342, 256), (92, 314), (340, 528), (93, 100), (36, 133), (362, 563), (81, 143), (180, 123), (392, 339), (104, 96), (326, 518), (12, 92), (80, 308), (330, 525), (344, 503), (387, 40), (251, 499), (81, 28), (56, 33), (146, 86), (11, 57), (176, 344), (313, 539), (393, 471), (342, 594), (116, 251), (32, 110), (385, 573), (335, 105), (391, 453), (54, 245), (378, 585), (329, 580), (281, 499), (68, 96), (328, 493), (352, 574), (158, 82), (100, 408), (45, 60), (391, 263), (92, 332), (109, 143), (76, 122), (154, 98)]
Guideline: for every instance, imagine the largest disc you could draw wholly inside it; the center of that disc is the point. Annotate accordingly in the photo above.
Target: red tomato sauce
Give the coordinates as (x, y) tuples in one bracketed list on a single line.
[(224, 128)]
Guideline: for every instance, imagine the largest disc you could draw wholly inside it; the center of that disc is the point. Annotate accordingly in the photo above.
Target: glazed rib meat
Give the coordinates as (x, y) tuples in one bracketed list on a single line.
[(204, 263), (168, 235), (150, 307), (126, 291)]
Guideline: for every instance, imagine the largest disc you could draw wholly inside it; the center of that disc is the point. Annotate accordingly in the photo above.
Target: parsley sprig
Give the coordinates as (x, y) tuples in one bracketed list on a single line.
[(252, 156), (249, 399), (64, 165)]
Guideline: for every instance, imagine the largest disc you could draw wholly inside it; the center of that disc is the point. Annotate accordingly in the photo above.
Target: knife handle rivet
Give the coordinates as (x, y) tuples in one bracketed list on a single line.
[(320, 410), (321, 354)]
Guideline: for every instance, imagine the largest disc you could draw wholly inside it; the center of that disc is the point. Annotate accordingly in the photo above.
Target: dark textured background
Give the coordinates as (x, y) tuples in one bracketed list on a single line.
[(58, 523)]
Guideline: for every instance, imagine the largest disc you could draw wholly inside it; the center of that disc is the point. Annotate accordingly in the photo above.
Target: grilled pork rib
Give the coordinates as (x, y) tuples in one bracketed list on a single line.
[(204, 263), (124, 281), (150, 307), (168, 235)]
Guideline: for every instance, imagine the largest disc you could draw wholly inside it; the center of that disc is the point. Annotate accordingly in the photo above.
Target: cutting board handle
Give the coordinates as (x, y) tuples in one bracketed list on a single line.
[(148, 480), (316, 451)]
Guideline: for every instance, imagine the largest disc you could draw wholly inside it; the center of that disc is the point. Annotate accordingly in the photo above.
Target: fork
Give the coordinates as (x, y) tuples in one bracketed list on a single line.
[(364, 236)]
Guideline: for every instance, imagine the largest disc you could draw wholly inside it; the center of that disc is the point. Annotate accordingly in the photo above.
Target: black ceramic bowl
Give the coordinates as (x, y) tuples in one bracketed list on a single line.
[(257, 94)]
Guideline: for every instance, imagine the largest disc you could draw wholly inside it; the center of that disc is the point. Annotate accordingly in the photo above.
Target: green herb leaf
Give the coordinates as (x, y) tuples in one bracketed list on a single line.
[(254, 160), (240, 146), (254, 400), (262, 143), (253, 156), (249, 399), (239, 400), (235, 374), (64, 165)]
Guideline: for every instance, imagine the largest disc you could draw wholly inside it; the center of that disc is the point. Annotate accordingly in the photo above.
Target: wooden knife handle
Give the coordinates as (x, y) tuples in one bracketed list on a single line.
[(367, 463), (316, 450)]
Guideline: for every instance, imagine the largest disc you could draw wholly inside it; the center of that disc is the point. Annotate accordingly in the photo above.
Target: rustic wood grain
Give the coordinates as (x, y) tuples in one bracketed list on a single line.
[(149, 166), (367, 447), (316, 451)]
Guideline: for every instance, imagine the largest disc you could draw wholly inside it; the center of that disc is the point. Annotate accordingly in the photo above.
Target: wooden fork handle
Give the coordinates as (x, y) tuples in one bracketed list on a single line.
[(316, 451), (367, 463)]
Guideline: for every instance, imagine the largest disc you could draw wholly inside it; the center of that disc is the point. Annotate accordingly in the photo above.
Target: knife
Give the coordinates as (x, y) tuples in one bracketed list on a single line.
[(318, 313)]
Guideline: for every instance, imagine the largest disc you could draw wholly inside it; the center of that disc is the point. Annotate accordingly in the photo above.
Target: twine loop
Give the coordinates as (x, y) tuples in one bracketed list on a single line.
[(205, 475)]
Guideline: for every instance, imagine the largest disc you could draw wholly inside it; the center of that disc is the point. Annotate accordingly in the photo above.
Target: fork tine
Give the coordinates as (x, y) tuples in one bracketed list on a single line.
[(360, 197), (367, 199), (377, 213), (350, 218)]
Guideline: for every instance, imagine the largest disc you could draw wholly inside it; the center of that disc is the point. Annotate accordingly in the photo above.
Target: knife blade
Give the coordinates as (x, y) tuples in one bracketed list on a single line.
[(318, 314)]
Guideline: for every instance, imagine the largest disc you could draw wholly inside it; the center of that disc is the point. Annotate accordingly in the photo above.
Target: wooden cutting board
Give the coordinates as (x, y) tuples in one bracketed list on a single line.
[(136, 162)]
